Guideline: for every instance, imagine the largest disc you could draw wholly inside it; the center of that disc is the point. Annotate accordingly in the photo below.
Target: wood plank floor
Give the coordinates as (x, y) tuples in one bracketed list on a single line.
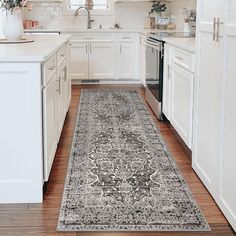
[(41, 219)]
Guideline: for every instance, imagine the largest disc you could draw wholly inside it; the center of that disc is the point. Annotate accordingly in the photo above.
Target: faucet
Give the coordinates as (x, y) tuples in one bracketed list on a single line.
[(89, 16)]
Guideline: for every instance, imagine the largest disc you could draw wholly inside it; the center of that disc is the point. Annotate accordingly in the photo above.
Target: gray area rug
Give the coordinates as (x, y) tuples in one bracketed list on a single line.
[(121, 177)]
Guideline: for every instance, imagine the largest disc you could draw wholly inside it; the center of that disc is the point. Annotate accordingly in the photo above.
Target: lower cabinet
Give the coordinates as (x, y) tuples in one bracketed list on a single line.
[(178, 91), (166, 107), (125, 64), (103, 56), (79, 61), (181, 101), (93, 60), (50, 124), (102, 60), (142, 60), (56, 100)]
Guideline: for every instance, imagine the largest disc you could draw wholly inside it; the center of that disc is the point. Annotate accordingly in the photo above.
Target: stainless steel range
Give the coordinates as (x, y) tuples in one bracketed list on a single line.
[(154, 68)]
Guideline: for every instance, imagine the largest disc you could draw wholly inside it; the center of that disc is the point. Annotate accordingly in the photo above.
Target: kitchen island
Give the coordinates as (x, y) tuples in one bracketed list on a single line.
[(35, 92)]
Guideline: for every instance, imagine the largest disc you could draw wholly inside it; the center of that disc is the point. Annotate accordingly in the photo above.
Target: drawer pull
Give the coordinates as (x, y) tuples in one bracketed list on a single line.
[(63, 55), (126, 37)]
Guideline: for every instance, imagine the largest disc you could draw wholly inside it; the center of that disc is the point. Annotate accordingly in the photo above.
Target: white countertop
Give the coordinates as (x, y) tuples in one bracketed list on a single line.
[(43, 47), (187, 44), (84, 30)]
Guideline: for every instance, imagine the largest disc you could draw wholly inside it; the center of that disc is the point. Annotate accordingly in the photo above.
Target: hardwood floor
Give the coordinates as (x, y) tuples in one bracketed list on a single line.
[(41, 219)]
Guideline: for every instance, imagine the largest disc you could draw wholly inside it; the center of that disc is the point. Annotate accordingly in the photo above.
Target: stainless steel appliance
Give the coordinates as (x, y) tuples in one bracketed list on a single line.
[(154, 68), (154, 74)]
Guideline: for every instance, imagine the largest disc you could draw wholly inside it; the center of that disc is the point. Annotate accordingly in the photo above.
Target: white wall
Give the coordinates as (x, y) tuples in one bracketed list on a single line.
[(129, 15)]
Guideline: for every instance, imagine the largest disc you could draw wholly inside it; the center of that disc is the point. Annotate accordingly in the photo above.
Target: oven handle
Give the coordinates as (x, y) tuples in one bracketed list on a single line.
[(153, 45)]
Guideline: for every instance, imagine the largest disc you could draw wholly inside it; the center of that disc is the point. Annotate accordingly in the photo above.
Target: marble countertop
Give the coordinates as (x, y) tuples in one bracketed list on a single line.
[(187, 44), (43, 47)]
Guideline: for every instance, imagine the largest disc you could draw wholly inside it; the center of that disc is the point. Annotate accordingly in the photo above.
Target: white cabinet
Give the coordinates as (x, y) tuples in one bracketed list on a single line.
[(79, 60), (93, 60), (125, 56), (214, 124), (182, 102), (167, 81), (125, 60), (142, 60), (102, 60), (50, 124), (92, 56), (178, 91), (104, 56), (56, 99)]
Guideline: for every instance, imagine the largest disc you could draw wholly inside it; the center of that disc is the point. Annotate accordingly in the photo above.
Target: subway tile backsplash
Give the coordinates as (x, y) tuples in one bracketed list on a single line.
[(129, 15)]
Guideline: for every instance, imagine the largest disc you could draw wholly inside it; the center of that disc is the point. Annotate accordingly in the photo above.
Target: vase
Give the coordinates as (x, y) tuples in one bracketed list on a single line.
[(14, 27)]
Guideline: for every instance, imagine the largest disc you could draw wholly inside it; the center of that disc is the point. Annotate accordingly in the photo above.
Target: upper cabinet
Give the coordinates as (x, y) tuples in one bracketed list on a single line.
[(215, 94)]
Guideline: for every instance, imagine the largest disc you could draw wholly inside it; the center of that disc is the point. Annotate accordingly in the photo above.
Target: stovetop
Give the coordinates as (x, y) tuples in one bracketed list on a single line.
[(161, 35)]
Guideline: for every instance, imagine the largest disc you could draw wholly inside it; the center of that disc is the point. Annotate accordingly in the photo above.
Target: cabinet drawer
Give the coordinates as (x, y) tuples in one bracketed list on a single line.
[(49, 69), (126, 37), (61, 55), (92, 37), (184, 59)]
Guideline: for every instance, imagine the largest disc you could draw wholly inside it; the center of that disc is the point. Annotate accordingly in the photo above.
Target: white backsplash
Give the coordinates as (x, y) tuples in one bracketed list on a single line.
[(128, 15), (176, 9)]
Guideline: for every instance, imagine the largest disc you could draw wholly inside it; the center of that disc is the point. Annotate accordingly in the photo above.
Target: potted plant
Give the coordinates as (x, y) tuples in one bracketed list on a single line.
[(14, 26), (159, 7)]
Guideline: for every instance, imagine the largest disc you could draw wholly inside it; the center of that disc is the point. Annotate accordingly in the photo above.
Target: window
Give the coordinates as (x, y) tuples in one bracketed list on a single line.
[(91, 4)]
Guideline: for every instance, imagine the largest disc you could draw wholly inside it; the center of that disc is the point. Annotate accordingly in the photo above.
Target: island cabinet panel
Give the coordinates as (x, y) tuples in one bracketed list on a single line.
[(35, 94), (21, 167)]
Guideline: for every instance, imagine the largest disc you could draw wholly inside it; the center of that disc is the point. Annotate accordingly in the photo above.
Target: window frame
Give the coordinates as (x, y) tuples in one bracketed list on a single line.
[(108, 11)]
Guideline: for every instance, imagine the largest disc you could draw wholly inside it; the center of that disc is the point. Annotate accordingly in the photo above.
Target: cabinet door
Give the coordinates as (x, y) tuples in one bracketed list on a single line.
[(102, 60), (79, 61), (60, 101), (49, 123), (142, 60), (166, 82), (208, 95), (227, 194), (126, 60), (182, 103)]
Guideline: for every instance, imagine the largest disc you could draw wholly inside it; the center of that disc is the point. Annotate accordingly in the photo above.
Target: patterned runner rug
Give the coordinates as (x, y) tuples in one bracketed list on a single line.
[(121, 177)]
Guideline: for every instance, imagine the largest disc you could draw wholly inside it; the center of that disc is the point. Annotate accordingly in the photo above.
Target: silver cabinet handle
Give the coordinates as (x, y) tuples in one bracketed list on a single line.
[(120, 48), (86, 48), (214, 29), (59, 85), (169, 72), (90, 48), (63, 55), (218, 23)]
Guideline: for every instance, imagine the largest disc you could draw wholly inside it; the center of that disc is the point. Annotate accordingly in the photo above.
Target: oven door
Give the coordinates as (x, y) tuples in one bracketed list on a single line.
[(154, 68)]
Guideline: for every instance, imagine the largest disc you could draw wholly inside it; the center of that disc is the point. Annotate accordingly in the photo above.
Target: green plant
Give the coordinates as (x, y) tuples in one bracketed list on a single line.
[(158, 7), (11, 5)]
